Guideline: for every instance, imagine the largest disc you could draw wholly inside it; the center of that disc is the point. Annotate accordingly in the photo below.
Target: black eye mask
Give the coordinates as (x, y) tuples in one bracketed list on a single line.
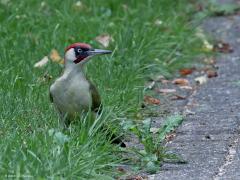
[(81, 54)]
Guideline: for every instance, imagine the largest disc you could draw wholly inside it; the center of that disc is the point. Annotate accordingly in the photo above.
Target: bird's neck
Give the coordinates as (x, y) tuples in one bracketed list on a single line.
[(74, 72)]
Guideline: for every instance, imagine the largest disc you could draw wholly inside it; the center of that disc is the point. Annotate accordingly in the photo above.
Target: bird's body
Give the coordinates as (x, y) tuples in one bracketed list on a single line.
[(71, 93)]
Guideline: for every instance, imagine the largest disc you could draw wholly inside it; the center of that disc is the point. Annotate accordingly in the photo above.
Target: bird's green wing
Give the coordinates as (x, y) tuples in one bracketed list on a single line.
[(50, 97), (96, 100)]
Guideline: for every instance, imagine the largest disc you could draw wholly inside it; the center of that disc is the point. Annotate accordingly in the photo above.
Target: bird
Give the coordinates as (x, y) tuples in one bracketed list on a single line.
[(73, 93)]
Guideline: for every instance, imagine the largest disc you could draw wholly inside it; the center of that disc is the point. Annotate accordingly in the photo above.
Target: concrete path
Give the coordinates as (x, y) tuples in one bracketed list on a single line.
[(210, 139)]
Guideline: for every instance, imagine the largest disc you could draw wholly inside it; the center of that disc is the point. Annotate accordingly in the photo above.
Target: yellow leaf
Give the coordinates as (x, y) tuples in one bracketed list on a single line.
[(55, 57)]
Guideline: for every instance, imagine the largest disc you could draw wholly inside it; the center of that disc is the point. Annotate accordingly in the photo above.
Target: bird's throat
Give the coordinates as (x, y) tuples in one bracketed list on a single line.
[(74, 72)]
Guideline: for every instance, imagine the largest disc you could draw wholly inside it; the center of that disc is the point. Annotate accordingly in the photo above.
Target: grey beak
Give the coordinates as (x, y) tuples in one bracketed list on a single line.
[(98, 52)]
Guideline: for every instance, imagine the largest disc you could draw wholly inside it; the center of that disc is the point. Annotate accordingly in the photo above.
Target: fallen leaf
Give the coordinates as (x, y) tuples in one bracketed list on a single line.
[(164, 81), (212, 73), (42, 62), (186, 87), (178, 97), (201, 80), (180, 82), (55, 57), (166, 91), (222, 47), (186, 71), (170, 137), (151, 100), (104, 39)]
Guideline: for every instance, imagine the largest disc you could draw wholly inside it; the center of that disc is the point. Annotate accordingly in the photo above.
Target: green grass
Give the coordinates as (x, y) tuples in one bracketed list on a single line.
[(141, 49), (153, 153)]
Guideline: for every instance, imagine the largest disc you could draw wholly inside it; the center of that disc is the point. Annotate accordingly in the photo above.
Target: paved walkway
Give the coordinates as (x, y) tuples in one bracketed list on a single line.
[(210, 139)]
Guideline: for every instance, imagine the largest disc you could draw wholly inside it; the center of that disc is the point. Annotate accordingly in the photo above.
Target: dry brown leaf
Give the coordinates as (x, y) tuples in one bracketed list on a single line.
[(55, 57), (186, 71), (170, 137), (180, 82), (104, 39), (222, 47), (201, 80), (42, 62), (178, 97), (166, 90), (164, 81), (151, 100), (212, 73)]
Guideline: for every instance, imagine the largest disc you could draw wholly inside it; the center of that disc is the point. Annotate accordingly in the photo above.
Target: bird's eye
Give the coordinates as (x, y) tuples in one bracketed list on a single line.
[(79, 50)]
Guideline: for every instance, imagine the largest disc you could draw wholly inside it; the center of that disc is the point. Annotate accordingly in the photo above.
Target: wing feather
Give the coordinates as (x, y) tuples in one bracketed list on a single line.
[(96, 99)]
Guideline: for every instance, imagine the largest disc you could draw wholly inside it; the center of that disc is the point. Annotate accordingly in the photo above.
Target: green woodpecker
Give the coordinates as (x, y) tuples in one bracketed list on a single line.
[(72, 93)]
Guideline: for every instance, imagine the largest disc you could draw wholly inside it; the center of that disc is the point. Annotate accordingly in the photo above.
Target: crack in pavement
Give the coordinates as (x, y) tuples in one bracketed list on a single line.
[(232, 151)]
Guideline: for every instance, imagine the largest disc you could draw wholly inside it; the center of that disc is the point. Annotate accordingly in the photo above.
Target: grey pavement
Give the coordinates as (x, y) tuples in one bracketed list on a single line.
[(210, 138)]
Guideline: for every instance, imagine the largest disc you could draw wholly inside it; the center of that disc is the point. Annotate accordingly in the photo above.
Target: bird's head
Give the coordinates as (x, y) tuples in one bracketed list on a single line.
[(80, 53)]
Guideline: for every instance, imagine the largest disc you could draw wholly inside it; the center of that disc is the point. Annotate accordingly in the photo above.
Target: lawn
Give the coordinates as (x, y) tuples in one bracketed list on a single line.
[(150, 37)]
